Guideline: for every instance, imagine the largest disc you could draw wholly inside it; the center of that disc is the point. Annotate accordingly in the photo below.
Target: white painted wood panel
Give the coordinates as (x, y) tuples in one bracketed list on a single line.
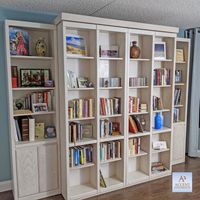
[(27, 171)]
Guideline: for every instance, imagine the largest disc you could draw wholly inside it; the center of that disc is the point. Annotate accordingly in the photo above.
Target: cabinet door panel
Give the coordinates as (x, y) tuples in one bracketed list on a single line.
[(27, 171), (179, 134), (48, 167)]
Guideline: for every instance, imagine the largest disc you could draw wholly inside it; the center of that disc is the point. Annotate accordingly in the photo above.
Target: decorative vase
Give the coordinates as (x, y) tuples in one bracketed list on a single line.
[(41, 47), (158, 121), (134, 50)]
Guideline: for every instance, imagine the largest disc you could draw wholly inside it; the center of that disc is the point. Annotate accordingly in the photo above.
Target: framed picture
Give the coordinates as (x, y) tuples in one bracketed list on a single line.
[(179, 55), (36, 77), (71, 79), (87, 130), (39, 107), (19, 104), (158, 145), (50, 132), (76, 44), (83, 82), (160, 50), (19, 41), (109, 51), (25, 77)]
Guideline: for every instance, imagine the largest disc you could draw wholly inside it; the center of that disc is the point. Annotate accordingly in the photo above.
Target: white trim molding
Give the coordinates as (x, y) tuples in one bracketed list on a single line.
[(5, 186)]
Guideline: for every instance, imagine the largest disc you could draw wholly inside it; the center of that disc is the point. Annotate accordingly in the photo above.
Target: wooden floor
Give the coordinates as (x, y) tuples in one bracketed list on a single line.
[(154, 190)]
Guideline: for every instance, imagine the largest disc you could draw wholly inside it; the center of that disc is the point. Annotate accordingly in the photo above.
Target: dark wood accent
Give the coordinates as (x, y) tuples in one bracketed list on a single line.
[(155, 190)]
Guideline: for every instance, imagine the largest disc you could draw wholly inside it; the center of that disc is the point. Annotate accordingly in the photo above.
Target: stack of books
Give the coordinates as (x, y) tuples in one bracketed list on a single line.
[(157, 103), (177, 96), (80, 155), (110, 106), (133, 146), (135, 125), (108, 128), (80, 108), (161, 76), (176, 114), (157, 167), (143, 107), (110, 150), (137, 81)]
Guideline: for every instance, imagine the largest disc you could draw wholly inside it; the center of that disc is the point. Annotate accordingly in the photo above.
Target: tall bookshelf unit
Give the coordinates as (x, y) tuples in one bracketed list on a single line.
[(83, 181), (35, 164), (179, 126)]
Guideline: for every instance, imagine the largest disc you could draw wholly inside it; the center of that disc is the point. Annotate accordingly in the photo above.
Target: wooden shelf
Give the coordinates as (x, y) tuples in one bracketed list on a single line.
[(160, 174), (162, 130), (105, 58), (179, 122), (163, 110), (142, 153), (84, 141), (179, 84), (161, 86), (136, 177), (160, 151), (110, 88), (138, 87), (111, 138), (140, 59), (35, 143), (163, 60), (133, 135), (112, 183), (80, 89), (32, 88), (36, 113), (79, 57), (139, 113), (110, 116), (178, 106), (181, 62), (31, 57), (81, 119), (82, 166), (110, 160)]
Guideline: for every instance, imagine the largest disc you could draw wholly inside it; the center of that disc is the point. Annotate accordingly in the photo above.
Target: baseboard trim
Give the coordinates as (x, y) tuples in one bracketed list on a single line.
[(5, 186)]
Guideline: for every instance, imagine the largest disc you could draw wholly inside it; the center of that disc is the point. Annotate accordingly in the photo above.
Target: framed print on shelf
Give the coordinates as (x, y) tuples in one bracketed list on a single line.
[(76, 45), (39, 107), (87, 130), (109, 51), (25, 77), (160, 50)]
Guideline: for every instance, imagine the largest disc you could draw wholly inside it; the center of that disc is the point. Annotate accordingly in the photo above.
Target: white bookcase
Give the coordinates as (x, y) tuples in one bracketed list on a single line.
[(179, 127), (84, 181), (35, 164)]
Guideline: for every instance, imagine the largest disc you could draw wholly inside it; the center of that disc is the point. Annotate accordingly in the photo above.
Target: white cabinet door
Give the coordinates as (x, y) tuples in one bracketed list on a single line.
[(27, 171), (179, 136), (48, 167)]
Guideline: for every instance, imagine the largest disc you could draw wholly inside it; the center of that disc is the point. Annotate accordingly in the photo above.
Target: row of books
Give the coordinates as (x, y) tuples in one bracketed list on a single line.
[(108, 128), (78, 131), (161, 76), (80, 108), (26, 129), (177, 96), (157, 167), (110, 82), (30, 101), (137, 81), (134, 146), (80, 155), (110, 106), (110, 150), (157, 103), (135, 125), (176, 114), (136, 106), (178, 76)]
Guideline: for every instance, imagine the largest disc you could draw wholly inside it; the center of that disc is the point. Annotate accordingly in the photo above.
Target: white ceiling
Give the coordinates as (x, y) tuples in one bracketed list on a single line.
[(181, 13)]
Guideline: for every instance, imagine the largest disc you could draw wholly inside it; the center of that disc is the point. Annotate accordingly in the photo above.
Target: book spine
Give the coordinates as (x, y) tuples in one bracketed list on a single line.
[(31, 129)]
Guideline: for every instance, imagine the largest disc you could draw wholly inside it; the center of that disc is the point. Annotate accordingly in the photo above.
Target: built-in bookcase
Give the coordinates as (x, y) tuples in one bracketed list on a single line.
[(32, 177), (180, 105), (126, 167)]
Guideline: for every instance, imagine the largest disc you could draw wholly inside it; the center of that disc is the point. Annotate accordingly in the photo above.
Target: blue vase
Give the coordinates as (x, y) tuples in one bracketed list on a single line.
[(158, 121)]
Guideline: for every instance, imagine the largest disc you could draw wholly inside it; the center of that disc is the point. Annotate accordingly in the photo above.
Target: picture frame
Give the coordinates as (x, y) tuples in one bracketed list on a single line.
[(179, 55), (71, 79), (83, 82), (50, 132), (76, 45), (160, 50), (109, 51), (25, 77), (87, 130), (39, 107), (36, 79), (159, 145)]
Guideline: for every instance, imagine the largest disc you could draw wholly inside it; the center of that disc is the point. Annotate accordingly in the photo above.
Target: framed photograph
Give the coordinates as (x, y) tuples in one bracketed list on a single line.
[(50, 132), (71, 79), (19, 104), (76, 44), (116, 128), (87, 130), (36, 77), (109, 51), (19, 41), (39, 107), (160, 50), (104, 82), (179, 55), (83, 82), (158, 145), (25, 77)]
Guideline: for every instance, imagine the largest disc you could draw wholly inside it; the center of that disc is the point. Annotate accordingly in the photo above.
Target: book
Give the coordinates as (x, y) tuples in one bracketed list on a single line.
[(161, 76), (138, 123), (31, 129), (132, 125), (102, 181), (15, 130), (39, 130), (157, 103), (25, 129), (14, 73), (18, 130), (137, 81)]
